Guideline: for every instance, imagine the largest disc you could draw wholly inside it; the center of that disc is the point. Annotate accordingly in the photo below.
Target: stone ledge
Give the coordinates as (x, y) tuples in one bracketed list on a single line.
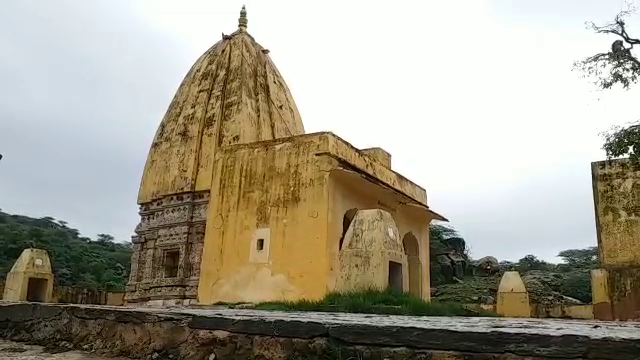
[(190, 333)]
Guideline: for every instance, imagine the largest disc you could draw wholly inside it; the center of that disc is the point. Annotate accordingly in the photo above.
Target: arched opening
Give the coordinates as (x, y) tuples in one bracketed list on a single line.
[(346, 222), (412, 250)]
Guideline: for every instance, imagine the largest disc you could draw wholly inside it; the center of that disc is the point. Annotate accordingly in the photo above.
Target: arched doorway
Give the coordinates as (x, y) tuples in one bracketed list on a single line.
[(346, 222), (412, 250)]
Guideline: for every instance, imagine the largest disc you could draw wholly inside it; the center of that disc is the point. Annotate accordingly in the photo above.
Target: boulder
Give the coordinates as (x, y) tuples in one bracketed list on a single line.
[(487, 266)]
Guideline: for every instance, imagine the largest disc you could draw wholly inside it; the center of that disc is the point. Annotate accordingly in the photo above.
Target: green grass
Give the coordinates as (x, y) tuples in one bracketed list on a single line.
[(376, 302)]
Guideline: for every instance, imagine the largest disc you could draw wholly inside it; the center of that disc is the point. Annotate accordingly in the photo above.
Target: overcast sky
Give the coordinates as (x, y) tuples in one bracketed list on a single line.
[(475, 99)]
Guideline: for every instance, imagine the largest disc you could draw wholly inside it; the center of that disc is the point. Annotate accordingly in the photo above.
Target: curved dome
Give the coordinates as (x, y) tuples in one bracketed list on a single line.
[(233, 94)]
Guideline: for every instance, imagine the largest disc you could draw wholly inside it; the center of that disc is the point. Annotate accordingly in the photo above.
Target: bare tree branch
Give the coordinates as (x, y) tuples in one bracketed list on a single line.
[(619, 66)]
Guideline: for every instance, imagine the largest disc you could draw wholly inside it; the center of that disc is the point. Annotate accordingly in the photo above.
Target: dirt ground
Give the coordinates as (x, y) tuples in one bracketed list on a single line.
[(18, 351)]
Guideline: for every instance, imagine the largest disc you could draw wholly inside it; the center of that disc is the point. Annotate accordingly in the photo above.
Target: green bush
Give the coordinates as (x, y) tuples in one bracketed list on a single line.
[(376, 302)]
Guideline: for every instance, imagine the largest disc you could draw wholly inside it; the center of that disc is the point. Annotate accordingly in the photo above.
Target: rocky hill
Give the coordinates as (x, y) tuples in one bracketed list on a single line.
[(456, 277)]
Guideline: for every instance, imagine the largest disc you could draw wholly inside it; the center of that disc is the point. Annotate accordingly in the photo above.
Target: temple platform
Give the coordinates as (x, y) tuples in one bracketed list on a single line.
[(196, 334)]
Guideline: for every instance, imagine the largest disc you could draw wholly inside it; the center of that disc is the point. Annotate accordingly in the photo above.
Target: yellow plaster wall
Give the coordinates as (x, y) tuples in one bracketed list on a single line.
[(582, 312), (348, 154), (279, 191), (601, 295), (616, 188), (513, 298), (379, 154), (281, 188)]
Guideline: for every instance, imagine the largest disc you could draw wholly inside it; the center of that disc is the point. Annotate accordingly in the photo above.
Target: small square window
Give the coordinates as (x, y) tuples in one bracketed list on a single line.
[(260, 244)]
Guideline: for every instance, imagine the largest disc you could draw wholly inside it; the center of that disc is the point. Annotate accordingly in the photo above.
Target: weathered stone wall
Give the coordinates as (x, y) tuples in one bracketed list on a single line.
[(196, 334), (616, 189), (616, 193), (584, 312), (79, 295)]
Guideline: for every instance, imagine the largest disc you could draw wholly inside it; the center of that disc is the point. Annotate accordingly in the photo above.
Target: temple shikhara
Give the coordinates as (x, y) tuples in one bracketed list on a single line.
[(239, 204)]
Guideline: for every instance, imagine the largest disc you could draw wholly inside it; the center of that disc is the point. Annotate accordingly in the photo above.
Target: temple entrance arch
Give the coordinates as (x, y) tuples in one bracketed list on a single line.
[(412, 250), (346, 222)]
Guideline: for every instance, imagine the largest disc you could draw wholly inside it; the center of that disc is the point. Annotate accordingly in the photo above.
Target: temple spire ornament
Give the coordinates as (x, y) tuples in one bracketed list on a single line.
[(242, 21)]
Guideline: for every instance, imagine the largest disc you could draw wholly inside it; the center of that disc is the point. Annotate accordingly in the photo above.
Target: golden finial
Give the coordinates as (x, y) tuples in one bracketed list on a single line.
[(242, 21)]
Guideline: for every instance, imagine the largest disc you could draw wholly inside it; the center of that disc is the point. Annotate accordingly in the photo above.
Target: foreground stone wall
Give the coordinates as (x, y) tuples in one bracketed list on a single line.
[(197, 334)]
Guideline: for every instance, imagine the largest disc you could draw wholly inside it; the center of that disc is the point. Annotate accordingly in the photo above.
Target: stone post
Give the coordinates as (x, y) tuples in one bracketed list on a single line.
[(513, 298)]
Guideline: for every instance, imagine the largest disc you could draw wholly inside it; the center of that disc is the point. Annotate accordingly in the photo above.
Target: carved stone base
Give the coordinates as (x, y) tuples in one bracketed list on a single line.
[(167, 249)]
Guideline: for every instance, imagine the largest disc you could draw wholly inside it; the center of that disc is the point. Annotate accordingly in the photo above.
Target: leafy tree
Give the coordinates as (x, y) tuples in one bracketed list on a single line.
[(580, 258), (531, 262), (618, 66), (577, 284), (105, 238), (576, 266), (76, 260)]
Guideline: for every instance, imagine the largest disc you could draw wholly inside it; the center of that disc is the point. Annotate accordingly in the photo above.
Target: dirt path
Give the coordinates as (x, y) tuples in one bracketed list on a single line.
[(18, 351)]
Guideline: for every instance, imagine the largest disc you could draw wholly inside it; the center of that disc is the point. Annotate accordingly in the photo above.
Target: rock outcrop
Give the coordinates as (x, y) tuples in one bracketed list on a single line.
[(487, 266)]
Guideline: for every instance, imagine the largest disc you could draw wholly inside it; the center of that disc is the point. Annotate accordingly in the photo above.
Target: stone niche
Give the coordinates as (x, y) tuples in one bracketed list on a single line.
[(372, 254), (167, 247), (30, 278)]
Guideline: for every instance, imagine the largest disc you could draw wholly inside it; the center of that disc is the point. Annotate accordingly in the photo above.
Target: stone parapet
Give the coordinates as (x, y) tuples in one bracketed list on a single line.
[(190, 334)]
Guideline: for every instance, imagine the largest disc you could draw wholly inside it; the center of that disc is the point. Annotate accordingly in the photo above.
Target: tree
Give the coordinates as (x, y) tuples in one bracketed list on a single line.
[(105, 238), (580, 258), (618, 66), (531, 262), (76, 260)]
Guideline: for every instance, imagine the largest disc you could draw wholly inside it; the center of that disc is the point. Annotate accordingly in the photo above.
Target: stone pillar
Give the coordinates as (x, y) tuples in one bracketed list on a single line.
[(616, 195), (513, 298), (600, 295)]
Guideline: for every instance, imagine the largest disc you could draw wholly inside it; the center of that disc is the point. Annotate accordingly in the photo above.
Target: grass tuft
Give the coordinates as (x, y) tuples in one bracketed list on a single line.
[(375, 301)]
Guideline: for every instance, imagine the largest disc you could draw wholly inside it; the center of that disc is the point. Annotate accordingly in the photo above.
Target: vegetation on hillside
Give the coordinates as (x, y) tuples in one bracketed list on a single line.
[(76, 260), (619, 66)]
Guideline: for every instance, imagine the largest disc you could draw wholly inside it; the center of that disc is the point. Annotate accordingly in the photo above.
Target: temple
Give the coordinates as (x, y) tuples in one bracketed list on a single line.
[(238, 204)]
